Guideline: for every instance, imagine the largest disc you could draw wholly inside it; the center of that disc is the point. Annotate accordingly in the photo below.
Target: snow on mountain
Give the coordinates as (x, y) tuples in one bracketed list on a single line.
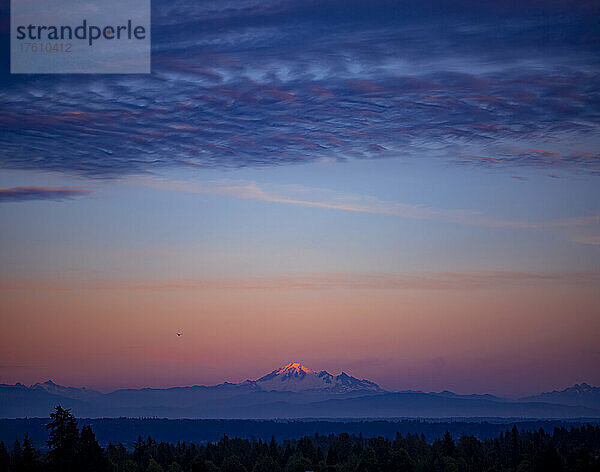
[(576, 395), (295, 377), (582, 389), (293, 391), (68, 392)]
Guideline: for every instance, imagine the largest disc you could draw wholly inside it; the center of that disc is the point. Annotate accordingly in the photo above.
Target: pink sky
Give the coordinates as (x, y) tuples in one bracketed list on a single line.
[(504, 333)]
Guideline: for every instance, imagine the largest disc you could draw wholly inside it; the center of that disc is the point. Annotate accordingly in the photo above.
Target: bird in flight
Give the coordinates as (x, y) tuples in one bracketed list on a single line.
[(179, 334)]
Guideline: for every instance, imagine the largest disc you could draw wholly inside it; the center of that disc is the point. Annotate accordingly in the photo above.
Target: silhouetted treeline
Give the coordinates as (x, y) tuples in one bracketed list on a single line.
[(203, 431), (73, 449)]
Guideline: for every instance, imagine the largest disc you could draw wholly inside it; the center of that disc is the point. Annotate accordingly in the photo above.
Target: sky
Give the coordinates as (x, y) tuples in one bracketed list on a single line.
[(405, 191)]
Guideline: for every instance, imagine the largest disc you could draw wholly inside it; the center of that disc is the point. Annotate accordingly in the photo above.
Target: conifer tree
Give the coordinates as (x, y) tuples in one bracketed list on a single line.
[(91, 455), (4, 457), (29, 461), (63, 440)]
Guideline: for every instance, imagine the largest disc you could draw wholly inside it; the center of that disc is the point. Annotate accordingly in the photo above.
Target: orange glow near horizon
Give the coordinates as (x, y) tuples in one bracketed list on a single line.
[(506, 340)]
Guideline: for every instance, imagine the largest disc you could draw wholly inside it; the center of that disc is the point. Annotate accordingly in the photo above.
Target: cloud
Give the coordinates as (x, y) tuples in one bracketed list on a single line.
[(354, 281), (331, 200), (19, 194), (591, 239), (277, 83), (333, 281), (513, 158)]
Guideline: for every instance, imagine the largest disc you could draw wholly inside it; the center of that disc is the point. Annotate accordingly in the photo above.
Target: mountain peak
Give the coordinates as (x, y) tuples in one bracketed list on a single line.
[(294, 368), (295, 377), (46, 385), (581, 388)]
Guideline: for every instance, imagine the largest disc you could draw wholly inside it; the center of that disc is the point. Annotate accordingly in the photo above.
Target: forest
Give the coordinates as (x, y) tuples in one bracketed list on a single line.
[(71, 448)]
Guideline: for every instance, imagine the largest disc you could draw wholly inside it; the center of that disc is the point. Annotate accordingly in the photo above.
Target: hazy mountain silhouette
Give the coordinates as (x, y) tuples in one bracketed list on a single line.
[(577, 395), (293, 391), (68, 392)]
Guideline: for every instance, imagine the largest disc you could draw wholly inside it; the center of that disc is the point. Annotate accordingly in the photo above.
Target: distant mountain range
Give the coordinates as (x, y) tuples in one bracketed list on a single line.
[(293, 391), (577, 395)]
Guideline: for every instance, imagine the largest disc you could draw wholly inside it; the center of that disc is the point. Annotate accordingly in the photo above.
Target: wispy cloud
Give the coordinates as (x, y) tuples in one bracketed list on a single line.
[(591, 239), (424, 281), (332, 200), (19, 194), (331, 281)]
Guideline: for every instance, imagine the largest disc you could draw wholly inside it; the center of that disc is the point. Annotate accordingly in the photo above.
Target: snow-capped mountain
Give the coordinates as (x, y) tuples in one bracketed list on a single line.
[(576, 395), (294, 377), (67, 392), (582, 389), (293, 391)]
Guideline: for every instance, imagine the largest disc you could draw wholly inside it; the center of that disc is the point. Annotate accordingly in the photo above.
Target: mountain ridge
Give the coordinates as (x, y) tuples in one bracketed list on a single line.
[(292, 391), (580, 394)]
